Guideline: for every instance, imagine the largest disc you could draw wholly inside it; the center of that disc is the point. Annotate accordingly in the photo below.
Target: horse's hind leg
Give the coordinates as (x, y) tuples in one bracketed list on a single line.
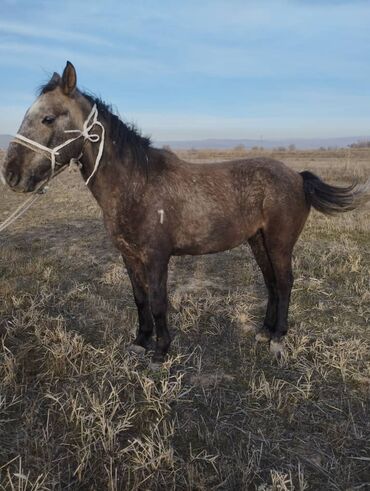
[(279, 244), (258, 247), (282, 265)]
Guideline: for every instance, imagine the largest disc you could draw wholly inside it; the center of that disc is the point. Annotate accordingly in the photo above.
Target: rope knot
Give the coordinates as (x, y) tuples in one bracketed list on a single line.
[(90, 122)]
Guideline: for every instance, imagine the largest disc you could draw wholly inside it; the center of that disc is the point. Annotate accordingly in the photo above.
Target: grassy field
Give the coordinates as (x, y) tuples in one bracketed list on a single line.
[(78, 412)]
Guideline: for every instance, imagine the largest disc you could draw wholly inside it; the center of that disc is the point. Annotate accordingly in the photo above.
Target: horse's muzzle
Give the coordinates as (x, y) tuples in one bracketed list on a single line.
[(10, 173), (18, 178)]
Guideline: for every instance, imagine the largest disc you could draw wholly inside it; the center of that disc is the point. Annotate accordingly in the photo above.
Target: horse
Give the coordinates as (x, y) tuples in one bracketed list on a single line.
[(156, 205)]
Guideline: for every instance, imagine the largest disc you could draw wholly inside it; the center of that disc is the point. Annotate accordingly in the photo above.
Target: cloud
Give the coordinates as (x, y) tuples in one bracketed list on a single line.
[(41, 32), (20, 53)]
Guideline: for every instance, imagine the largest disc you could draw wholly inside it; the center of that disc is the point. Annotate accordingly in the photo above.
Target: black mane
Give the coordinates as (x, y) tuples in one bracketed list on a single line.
[(124, 136)]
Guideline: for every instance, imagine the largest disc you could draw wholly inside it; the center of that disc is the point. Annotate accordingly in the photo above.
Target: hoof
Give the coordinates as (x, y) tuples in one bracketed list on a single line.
[(263, 336), (136, 348), (277, 349), (155, 366)]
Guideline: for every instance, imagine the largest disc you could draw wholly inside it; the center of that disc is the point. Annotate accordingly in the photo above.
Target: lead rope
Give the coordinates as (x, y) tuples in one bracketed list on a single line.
[(28, 203), (51, 153), (19, 211)]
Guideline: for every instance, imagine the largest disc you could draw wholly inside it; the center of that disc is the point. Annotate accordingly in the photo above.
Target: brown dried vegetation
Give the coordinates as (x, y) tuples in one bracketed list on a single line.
[(78, 412)]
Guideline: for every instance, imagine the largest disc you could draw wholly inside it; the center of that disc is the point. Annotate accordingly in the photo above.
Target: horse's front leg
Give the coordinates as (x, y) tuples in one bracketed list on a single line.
[(139, 281), (157, 276), (149, 284)]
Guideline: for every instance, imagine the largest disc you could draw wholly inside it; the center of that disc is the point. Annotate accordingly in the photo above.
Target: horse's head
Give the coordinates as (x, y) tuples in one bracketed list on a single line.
[(59, 107)]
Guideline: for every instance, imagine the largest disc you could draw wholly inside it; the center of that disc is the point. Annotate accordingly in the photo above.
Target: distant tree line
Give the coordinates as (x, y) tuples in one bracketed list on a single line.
[(360, 144), (243, 148), (290, 148)]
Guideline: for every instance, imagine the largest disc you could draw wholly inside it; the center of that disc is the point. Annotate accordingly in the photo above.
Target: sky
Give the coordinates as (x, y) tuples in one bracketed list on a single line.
[(192, 69)]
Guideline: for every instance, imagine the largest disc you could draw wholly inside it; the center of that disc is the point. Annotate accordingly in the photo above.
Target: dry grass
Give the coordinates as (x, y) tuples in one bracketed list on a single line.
[(78, 412)]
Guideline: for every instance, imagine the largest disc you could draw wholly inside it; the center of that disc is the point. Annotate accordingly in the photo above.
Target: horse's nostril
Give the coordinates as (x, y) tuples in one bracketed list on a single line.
[(12, 178)]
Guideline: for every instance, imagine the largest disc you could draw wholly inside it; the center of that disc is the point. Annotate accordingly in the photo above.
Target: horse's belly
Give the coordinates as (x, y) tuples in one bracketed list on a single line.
[(216, 237)]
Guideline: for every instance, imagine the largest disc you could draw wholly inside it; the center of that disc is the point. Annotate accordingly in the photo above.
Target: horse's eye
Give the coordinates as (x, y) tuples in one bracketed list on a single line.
[(48, 120)]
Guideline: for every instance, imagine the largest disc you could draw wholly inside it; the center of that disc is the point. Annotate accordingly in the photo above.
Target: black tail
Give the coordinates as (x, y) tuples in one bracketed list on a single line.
[(333, 199)]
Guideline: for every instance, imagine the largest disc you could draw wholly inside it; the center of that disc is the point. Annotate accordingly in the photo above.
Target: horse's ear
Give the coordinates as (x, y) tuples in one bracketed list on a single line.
[(69, 79), (55, 79)]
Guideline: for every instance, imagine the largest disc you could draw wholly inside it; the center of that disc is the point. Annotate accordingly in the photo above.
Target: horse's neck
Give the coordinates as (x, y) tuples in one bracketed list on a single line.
[(112, 184)]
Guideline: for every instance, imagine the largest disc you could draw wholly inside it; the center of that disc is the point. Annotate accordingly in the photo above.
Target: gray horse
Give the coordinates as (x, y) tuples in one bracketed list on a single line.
[(156, 205)]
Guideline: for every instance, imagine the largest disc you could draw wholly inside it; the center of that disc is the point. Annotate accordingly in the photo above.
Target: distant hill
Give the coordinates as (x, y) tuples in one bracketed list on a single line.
[(300, 143), (218, 143), (4, 141)]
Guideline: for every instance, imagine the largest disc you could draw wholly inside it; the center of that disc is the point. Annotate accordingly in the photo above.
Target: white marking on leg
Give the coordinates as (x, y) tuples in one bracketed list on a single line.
[(277, 348), (161, 216)]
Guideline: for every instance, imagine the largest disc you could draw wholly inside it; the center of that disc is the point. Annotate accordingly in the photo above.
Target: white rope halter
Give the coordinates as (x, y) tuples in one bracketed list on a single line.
[(51, 153)]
